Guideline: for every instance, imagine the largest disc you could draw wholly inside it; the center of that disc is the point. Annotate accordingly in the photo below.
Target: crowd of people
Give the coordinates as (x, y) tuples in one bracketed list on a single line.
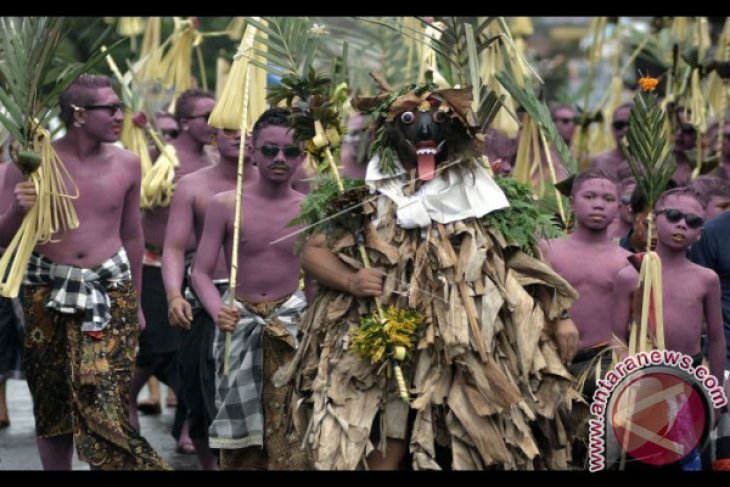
[(137, 295)]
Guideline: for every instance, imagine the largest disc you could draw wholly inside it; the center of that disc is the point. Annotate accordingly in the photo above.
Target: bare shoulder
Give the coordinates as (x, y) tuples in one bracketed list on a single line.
[(198, 176), (551, 246), (123, 160), (226, 199), (190, 181), (708, 276), (121, 154), (620, 254)]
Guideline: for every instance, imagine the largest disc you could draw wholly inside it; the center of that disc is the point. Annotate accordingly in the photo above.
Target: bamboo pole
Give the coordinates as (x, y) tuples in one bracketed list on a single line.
[(238, 216)]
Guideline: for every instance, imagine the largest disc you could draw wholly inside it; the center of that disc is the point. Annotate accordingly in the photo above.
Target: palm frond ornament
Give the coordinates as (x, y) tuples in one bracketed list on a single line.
[(540, 121), (651, 162), (29, 46)]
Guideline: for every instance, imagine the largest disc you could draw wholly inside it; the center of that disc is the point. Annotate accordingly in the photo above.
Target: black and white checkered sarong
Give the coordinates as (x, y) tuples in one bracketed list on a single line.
[(240, 419), (74, 289)]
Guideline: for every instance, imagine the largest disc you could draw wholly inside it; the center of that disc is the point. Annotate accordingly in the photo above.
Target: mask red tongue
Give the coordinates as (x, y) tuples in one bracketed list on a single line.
[(426, 166)]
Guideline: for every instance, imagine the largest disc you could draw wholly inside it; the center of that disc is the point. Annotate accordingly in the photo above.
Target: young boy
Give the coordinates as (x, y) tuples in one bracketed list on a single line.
[(691, 293)]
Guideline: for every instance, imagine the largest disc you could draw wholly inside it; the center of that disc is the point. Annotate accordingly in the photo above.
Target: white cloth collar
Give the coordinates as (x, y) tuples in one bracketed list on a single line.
[(456, 194)]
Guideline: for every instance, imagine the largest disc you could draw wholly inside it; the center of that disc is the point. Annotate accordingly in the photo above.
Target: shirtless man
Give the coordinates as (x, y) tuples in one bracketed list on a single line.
[(266, 294), (624, 220), (564, 117), (501, 151), (691, 293), (613, 161), (354, 152), (716, 192), (79, 356), (192, 196), (594, 202), (167, 125), (159, 343)]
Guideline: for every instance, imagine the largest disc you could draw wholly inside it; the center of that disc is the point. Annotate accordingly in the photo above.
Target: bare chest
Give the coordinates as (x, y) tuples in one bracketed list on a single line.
[(100, 192), (205, 189), (267, 231), (587, 267), (682, 291)]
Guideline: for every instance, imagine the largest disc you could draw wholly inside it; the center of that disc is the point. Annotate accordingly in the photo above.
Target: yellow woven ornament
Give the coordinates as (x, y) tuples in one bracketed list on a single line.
[(53, 212)]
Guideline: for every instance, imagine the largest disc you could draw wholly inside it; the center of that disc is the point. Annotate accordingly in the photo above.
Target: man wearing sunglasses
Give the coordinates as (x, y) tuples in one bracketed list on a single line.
[(159, 343), (167, 125), (192, 196), (613, 161), (249, 427), (691, 293), (82, 291)]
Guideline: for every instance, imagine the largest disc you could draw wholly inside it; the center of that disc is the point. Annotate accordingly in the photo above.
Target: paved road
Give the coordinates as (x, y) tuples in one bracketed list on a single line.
[(18, 449)]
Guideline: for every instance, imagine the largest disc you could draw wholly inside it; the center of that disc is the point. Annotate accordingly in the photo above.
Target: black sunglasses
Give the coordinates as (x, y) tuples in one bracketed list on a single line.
[(171, 133), (112, 108), (619, 125), (290, 151), (674, 216)]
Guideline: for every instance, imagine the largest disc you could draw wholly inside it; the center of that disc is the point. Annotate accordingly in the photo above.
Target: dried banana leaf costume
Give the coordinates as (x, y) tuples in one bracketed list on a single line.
[(485, 377)]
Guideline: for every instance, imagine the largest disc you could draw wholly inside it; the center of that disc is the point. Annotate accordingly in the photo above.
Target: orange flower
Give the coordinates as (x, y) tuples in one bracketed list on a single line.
[(648, 84)]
